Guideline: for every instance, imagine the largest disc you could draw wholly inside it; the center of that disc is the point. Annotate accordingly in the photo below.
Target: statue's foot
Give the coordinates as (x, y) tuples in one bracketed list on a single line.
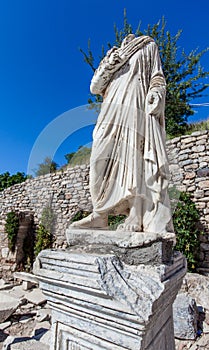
[(131, 224), (93, 220), (129, 227)]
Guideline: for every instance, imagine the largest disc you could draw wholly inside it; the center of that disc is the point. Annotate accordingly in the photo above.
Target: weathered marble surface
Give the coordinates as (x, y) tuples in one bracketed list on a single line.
[(129, 165), (154, 247), (126, 240), (99, 301)]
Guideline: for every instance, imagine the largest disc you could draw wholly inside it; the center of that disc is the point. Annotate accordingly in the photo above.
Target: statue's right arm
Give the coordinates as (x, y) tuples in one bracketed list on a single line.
[(99, 81), (104, 73)]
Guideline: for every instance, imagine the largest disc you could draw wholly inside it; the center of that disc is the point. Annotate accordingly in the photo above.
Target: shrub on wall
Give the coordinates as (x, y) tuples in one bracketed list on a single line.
[(113, 220), (80, 215), (186, 220), (11, 229), (44, 235), (44, 239)]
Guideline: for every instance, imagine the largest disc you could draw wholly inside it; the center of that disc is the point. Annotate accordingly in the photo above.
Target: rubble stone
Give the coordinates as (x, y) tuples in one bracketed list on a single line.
[(185, 315), (8, 305), (36, 297), (31, 344), (5, 325), (197, 287), (43, 315)]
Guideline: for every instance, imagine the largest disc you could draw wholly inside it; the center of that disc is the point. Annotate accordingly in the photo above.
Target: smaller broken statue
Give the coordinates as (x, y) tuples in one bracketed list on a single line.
[(115, 289), (128, 165)]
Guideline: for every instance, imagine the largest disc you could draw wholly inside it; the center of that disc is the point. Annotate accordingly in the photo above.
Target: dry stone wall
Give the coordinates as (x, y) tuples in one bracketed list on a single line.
[(68, 191), (189, 167), (65, 192)]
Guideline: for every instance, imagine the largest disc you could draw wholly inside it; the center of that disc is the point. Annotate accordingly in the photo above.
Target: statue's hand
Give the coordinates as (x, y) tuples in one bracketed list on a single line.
[(152, 104), (114, 58), (109, 52)]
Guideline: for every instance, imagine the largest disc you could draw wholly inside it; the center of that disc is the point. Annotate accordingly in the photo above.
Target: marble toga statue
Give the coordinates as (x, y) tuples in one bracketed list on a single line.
[(128, 165)]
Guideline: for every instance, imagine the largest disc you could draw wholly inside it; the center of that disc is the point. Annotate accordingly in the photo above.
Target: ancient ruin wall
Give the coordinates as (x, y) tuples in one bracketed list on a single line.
[(189, 167), (67, 191)]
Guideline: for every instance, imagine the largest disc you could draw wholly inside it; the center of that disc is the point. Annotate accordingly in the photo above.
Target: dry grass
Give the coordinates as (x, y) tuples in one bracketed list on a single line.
[(199, 126)]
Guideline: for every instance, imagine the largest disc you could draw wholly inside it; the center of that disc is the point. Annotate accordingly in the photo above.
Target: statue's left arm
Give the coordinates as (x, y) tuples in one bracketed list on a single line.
[(155, 100)]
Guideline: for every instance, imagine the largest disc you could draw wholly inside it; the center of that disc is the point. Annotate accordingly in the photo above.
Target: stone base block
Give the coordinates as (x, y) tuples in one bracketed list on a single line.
[(100, 299), (154, 247)]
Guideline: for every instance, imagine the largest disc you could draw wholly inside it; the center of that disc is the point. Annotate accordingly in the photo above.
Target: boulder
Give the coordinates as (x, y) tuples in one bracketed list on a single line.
[(197, 287), (36, 297), (8, 305), (185, 315), (17, 292), (5, 325), (43, 315), (4, 285)]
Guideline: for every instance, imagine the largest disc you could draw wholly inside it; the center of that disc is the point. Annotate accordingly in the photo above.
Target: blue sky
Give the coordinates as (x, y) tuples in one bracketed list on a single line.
[(43, 75)]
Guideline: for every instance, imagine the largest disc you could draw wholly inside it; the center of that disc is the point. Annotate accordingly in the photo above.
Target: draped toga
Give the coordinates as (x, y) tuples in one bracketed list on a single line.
[(128, 158)]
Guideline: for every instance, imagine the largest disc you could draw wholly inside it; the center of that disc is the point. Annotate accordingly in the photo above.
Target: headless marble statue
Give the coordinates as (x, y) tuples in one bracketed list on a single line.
[(128, 165)]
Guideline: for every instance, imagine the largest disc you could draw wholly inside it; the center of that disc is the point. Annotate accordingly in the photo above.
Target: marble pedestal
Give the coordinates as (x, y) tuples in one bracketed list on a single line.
[(111, 291)]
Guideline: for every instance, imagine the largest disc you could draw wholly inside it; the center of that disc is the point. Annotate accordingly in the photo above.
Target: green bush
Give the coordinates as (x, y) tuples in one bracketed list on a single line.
[(186, 221), (113, 220), (80, 215), (11, 229), (198, 126), (44, 235), (44, 239), (81, 156), (7, 180)]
